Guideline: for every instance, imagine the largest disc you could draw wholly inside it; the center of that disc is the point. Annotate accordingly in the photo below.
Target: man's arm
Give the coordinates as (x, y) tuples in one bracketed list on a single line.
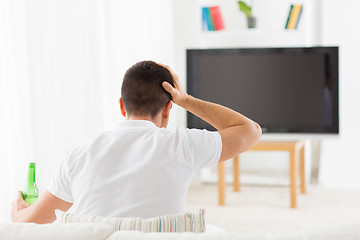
[(42, 211), (238, 133)]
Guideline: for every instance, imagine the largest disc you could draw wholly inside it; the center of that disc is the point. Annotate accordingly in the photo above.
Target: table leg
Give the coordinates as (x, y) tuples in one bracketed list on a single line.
[(236, 169), (292, 172), (221, 183), (302, 170)]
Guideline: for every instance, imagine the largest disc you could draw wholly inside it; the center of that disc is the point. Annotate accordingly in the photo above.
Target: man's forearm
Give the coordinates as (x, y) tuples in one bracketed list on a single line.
[(218, 116), (22, 215), (42, 211)]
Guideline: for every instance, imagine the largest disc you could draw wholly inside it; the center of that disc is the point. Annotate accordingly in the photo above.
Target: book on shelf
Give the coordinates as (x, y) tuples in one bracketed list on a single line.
[(217, 18), (208, 19), (212, 19), (205, 23), (293, 19)]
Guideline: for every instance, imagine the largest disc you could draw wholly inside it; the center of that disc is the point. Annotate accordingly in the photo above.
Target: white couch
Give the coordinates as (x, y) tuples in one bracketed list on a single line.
[(89, 231)]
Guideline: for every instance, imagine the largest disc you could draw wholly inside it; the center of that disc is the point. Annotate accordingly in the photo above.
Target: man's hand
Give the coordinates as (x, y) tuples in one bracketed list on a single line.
[(18, 205), (41, 211), (178, 94)]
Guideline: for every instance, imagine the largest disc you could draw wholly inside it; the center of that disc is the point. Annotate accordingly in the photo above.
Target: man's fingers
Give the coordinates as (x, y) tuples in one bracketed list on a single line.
[(19, 197), (19, 194), (167, 86), (20, 201), (14, 205), (165, 66), (174, 76)]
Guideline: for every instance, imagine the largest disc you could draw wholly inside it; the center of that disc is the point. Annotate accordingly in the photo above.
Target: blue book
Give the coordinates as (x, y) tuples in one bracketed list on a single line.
[(209, 21), (205, 24)]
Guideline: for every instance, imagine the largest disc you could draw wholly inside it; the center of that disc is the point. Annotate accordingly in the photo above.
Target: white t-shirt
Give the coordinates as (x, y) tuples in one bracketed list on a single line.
[(135, 170)]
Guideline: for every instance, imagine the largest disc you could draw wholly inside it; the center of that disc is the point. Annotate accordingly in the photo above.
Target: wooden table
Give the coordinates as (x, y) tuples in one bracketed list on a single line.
[(296, 153)]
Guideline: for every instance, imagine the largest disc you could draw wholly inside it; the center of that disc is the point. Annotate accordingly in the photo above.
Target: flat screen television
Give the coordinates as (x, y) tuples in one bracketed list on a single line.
[(285, 90)]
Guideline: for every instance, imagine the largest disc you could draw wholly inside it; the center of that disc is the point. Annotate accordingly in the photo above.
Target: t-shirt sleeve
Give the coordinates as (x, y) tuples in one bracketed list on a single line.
[(60, 185), (204, 147)]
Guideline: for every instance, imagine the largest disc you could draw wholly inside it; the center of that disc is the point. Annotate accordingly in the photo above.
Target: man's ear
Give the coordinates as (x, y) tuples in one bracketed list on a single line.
[(122, 108), (167, 110)]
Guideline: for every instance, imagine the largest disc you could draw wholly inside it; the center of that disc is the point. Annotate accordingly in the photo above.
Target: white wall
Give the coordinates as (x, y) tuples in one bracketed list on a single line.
[(340, 158), (61, 67)]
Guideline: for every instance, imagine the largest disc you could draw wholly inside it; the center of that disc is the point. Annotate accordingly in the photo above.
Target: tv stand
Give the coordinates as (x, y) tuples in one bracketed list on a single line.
[(296, 155)]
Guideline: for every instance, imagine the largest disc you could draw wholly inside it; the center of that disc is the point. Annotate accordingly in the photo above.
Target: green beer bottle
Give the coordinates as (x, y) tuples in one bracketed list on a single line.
[(30, 193)]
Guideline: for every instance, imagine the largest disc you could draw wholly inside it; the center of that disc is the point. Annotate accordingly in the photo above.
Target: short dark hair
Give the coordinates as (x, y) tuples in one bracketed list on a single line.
[(141, 90)]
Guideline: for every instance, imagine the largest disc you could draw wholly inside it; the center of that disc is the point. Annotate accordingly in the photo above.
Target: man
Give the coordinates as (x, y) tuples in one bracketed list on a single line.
[(140, 169)]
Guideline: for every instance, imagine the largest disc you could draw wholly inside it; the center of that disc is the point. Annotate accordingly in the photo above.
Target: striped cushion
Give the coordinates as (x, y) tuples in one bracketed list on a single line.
[(189, 222)]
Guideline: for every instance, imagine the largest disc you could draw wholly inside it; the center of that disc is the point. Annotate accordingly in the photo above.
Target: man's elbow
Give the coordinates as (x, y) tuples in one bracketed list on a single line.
[(252, 137), (257, 131)]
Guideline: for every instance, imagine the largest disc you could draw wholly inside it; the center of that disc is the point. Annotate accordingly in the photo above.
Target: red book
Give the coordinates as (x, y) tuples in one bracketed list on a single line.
[(217, 18)]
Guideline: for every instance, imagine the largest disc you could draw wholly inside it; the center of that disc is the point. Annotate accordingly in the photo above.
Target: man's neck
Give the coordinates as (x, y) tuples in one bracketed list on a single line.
[(146, 118)]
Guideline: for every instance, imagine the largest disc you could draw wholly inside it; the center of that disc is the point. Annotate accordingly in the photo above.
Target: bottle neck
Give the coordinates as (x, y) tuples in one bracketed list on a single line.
[(31, 175)]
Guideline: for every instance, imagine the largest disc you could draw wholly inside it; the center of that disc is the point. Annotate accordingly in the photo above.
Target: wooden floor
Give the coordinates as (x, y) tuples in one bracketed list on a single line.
[(266, 209)]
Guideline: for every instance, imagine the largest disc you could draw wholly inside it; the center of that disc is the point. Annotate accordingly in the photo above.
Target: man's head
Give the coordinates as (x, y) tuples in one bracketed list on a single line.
[(142, 94)]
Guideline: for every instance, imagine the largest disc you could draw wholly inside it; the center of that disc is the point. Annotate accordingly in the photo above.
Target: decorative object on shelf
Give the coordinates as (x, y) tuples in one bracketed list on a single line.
[(212, 19), (251, 20), (293, 19)]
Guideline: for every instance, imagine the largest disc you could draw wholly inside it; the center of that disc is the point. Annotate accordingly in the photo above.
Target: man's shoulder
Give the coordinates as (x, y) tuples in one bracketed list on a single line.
[(177, 134), (193, 134), (80, 146)]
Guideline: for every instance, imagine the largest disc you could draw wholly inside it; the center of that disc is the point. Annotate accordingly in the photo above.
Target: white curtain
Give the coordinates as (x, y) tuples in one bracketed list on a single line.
[(61, 66)]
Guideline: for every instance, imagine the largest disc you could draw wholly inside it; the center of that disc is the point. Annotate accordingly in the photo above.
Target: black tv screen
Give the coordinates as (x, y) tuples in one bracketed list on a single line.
[(285, 90)]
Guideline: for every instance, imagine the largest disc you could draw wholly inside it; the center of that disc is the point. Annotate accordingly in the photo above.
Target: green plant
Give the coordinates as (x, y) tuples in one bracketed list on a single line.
[(245, 8)]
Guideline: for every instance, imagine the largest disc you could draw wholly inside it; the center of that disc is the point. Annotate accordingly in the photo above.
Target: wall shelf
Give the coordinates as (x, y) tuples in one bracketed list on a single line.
[(270, 31), (252, 38)]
